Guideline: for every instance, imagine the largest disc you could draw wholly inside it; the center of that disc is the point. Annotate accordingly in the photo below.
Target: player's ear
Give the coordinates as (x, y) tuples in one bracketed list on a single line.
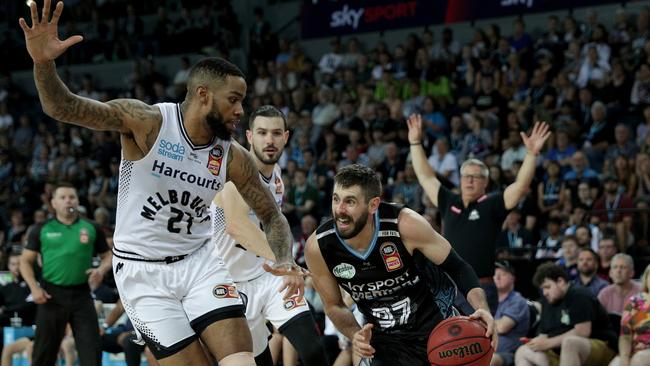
[(249, 137), (373, 205)]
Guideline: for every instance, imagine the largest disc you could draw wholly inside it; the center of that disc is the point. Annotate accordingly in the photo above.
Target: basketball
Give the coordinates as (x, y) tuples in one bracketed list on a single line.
[(459, 341)]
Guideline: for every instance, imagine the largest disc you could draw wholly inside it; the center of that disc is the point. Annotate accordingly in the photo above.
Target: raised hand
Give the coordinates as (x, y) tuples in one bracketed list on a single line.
[(415, 128), (535, 142), (42, 38)]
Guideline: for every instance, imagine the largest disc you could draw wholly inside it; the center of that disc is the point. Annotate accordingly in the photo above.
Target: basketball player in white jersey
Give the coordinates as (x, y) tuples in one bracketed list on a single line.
[(174, 160), (237, 236)]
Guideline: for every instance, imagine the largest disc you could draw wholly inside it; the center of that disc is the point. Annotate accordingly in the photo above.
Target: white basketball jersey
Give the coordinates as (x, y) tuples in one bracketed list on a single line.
[(242, 264), (164, 198)]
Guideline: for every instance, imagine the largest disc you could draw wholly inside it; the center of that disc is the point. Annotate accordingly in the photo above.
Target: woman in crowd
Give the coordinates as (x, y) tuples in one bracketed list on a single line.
[(634, 340)]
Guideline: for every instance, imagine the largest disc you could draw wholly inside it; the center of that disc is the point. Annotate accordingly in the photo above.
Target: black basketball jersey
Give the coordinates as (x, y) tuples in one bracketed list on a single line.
[(384, 281)]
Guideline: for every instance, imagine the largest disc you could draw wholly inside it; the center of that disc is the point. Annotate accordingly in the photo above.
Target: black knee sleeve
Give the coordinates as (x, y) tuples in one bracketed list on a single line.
[(301, 332), (264, 358)]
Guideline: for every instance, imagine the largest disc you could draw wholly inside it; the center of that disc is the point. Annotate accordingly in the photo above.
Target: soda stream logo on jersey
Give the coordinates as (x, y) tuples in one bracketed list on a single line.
[(372, 290), (225, 291), (391, 257), (215, 158), (157, 201), (159, 168), (174, 151)]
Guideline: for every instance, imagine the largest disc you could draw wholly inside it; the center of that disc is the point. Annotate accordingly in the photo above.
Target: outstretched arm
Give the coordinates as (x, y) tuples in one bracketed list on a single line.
[(44, 46), (238, 225), (515, 191), (424, 172), (417, 234)]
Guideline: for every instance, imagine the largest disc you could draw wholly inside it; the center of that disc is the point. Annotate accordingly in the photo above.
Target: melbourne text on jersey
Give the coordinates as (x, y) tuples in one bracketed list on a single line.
[(371, 290)]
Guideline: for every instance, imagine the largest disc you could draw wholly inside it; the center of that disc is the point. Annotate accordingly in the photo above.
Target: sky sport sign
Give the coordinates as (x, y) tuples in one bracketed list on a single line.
[(334, 18)]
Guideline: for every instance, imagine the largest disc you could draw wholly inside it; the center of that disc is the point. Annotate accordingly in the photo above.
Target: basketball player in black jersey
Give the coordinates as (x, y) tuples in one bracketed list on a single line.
[(367, 248)]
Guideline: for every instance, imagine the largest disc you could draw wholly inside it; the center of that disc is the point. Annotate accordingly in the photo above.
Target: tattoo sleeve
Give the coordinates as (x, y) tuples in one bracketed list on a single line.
[(244, 175), (61, 104)]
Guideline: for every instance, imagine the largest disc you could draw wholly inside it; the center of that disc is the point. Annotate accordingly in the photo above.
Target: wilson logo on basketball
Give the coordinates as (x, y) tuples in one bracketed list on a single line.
[(225, 292), (462, 351)]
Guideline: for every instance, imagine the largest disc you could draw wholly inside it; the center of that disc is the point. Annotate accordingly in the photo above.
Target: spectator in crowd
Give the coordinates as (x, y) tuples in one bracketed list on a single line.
[(302, 198), (634, 341), (512, 315), (549, 246), (14, 296), (587, 267), (607, 248), (612, 211), (514, 235), (444, 162), (614, 296), (574, 328), (569, 259)]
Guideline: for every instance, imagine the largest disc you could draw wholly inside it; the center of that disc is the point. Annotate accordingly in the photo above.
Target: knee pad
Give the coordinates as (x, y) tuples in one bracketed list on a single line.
[(238, 359)]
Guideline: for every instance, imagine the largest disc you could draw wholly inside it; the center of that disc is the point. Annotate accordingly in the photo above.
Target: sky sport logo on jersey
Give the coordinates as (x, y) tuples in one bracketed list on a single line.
[(170, 150)]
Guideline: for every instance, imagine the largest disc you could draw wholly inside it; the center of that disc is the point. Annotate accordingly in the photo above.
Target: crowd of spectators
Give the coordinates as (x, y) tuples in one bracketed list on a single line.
[(590, 82)]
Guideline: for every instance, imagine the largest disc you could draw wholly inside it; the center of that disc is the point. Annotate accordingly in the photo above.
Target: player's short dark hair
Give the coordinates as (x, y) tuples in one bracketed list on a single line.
[(551, 271), (266, 111), (362, 176), (213, 69)]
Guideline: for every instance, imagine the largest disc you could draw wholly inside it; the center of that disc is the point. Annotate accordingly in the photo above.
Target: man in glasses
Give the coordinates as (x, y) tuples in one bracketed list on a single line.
[(472, 219)]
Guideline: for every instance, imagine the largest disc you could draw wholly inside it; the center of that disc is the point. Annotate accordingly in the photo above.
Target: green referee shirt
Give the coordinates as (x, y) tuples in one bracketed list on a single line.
[(67, 250)]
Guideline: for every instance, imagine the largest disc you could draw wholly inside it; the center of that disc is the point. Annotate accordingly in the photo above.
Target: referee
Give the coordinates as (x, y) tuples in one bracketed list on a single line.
[(472, 219), (66, 244)]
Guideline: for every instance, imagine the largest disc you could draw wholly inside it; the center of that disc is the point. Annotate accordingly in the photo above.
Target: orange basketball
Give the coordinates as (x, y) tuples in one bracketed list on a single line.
[(459, 341)]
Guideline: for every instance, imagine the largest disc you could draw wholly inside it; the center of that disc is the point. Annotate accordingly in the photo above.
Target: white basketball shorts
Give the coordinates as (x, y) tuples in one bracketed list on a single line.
[(264, 302), (171, 304)]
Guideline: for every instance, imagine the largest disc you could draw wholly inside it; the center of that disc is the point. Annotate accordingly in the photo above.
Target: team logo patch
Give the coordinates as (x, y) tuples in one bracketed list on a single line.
[(391, 257), (344, 270), (215, 159), (292, 303), (84, 237), (225, 291)]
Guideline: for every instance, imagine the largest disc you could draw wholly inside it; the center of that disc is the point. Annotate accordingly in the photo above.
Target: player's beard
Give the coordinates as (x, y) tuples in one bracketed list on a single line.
[(261, 156), (357, 225), (218, 127)]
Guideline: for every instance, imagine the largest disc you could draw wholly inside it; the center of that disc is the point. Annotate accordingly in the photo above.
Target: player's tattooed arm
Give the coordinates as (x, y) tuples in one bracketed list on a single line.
[(123, 115), (244, 174)]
